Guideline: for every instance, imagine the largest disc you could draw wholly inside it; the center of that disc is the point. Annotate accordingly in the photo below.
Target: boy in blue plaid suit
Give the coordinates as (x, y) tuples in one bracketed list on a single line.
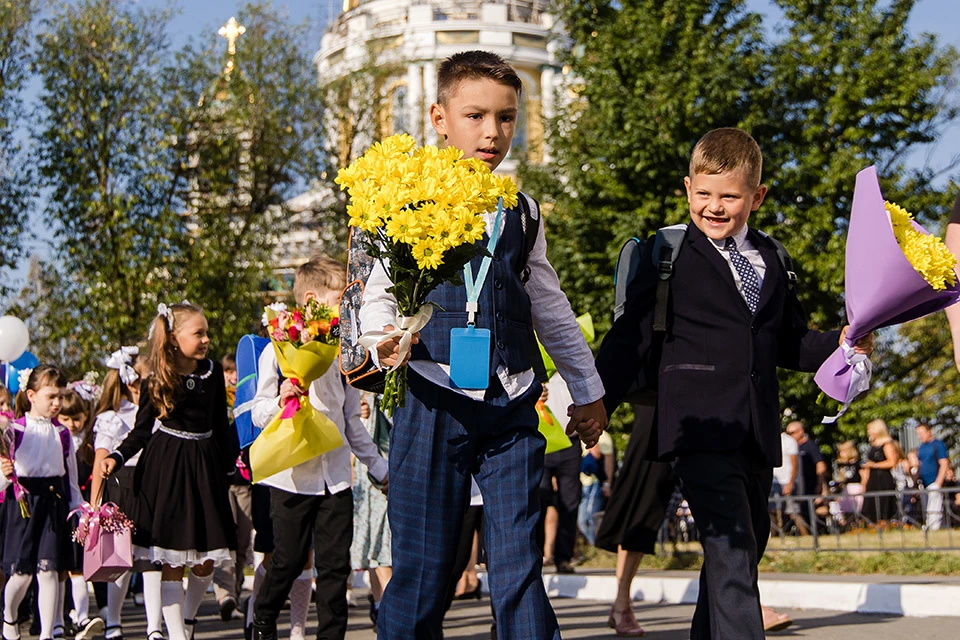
[(445, 435)]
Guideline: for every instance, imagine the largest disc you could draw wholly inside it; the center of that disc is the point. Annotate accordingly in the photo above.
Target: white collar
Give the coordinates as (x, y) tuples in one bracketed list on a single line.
[(739, 238)]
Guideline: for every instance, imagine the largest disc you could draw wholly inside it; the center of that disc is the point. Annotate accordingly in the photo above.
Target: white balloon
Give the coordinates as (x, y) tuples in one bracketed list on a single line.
[(14, 338)]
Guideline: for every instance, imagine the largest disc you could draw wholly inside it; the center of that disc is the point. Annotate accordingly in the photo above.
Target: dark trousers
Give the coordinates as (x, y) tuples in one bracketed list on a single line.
[(727, 492), (565, 467), (298, 519), (439, 439)]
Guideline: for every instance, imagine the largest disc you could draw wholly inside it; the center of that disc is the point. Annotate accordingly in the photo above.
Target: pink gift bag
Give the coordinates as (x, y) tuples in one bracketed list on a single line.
[(106, 555)]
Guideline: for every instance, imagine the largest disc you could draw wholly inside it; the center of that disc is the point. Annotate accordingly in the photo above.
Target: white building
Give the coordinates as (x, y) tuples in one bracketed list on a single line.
[(421, 33), (418, 34)]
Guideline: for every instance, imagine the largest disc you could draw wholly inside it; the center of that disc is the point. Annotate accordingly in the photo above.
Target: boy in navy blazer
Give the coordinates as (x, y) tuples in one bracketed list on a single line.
[(732, 321)]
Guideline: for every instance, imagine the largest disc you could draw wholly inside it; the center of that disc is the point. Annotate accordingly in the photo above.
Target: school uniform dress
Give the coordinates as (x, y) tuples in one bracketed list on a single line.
[(312, 503), (46, 465), (718, 411), (444, 435), (181, 507)]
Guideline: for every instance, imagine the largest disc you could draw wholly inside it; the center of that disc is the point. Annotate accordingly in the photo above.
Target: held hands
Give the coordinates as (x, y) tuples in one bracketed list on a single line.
[(863, 346), (588, 420), (388, 350), (107, 467), (6, 465)]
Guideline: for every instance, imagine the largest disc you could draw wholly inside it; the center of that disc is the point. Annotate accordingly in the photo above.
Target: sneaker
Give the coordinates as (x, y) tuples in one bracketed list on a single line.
[(227, 606), (89, 628)]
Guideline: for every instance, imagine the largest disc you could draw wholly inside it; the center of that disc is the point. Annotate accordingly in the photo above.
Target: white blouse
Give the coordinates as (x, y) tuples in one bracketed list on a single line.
[(112, 427), (40, 455)]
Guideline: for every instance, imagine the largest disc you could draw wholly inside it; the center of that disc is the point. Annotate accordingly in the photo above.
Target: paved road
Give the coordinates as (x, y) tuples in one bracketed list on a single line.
[(586, 619)]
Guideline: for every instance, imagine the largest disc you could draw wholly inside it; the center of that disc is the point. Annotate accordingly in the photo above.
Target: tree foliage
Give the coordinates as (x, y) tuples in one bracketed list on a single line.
[(842, 86), (16, 186)]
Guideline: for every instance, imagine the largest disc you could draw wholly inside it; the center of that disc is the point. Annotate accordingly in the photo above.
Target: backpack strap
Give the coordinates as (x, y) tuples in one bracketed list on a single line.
[(785, 260), (666, 248), (530, 223)]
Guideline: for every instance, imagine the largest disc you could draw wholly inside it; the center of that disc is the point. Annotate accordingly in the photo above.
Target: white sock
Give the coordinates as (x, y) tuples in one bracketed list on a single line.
[(171, 597), (13, 593), (81, 598), (196, 588), (300, 604), (116, 593), (258, 575), (61, 597), (48, 584), (151, 601)]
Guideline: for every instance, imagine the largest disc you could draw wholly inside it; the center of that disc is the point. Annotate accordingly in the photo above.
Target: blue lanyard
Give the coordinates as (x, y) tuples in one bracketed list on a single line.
[(474, 289)]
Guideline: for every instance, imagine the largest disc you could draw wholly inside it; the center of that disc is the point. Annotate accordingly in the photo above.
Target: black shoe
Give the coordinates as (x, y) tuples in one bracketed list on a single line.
[(156, 635), (191, 627), (264, 630), (373, 612), (117, 636), (227, 606), (248, 632), (493, 631), (564, 566)]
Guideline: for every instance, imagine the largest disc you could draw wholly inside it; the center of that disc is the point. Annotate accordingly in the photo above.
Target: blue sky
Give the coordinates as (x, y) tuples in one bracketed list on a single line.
[(204, 16)]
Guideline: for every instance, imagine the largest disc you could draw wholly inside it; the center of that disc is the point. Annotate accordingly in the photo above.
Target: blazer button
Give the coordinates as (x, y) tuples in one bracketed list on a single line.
[(755, 376), (754, 328), (499, 316), (500, 345), (498, 284)]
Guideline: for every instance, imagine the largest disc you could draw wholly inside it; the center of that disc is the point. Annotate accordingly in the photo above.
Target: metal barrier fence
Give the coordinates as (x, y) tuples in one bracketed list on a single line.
[(908, 520)]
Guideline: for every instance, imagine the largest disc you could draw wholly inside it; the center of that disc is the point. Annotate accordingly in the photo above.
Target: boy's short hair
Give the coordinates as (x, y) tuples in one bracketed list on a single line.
[(727, 150), (319, 274), (474, 65)]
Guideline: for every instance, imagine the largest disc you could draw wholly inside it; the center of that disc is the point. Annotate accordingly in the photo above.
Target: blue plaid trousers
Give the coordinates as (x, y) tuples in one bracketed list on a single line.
[(439, 439)]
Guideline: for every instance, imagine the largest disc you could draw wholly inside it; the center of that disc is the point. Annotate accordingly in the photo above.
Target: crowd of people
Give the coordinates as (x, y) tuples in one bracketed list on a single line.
[(456, 473), (873, 485)]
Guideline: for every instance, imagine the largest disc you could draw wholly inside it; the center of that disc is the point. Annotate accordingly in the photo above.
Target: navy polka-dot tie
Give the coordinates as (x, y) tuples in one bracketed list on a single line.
[(748, 275)]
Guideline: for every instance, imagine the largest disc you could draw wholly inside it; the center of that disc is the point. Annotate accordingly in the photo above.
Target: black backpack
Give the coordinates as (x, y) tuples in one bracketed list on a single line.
[(355, 363), (666, 247)]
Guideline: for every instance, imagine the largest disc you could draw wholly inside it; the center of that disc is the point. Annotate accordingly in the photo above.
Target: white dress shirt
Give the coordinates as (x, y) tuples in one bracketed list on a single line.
[(112, 427), (341, 404), (748, 251), (553, 320), (40, 455)]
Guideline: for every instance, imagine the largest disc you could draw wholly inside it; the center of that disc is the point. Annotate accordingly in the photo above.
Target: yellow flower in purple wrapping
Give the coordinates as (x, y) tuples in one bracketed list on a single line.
[(925, 252)]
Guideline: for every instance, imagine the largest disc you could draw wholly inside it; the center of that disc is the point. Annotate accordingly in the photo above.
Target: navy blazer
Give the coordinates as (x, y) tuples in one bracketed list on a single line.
[(717, 373)]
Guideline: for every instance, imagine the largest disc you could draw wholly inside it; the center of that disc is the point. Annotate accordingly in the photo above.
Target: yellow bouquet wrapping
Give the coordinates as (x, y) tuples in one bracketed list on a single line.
[(298, 432)]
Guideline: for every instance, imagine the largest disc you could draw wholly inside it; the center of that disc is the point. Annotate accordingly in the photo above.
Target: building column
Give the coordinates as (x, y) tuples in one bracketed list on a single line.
[(547, 104), (415, 107), (429, 97)]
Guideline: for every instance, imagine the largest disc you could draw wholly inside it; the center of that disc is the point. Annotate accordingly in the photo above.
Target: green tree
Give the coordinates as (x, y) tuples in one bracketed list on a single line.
[(107, 162), (16, 187), (846, 87), (249, 128)]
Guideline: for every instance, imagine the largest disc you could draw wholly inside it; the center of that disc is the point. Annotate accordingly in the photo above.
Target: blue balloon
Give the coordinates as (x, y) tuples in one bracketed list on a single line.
[(13, 369)]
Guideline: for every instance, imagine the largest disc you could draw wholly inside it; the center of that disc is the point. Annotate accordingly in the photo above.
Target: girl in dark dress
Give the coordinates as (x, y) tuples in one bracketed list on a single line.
[(41, 458), (880, 461), (181, 480)]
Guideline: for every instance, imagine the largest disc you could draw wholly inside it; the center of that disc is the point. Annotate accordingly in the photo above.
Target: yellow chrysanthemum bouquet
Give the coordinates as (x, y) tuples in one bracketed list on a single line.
[(421, 212), (926, 252)]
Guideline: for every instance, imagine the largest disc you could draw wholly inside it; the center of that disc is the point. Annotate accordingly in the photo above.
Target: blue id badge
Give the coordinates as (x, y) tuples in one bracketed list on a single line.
[(470, 357)]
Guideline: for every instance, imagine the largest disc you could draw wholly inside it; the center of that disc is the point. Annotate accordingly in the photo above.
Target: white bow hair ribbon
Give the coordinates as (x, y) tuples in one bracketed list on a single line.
[(859, 377), (121, 360), (23, 377), (406, 327), (166, 312), (85, 390)]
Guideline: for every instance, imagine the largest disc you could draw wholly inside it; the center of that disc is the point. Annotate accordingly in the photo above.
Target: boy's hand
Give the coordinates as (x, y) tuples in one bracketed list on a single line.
[(589, 432), (863, 346), (6, 465), (385, 484), (289, 390), (389, 350), (107, 467)]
